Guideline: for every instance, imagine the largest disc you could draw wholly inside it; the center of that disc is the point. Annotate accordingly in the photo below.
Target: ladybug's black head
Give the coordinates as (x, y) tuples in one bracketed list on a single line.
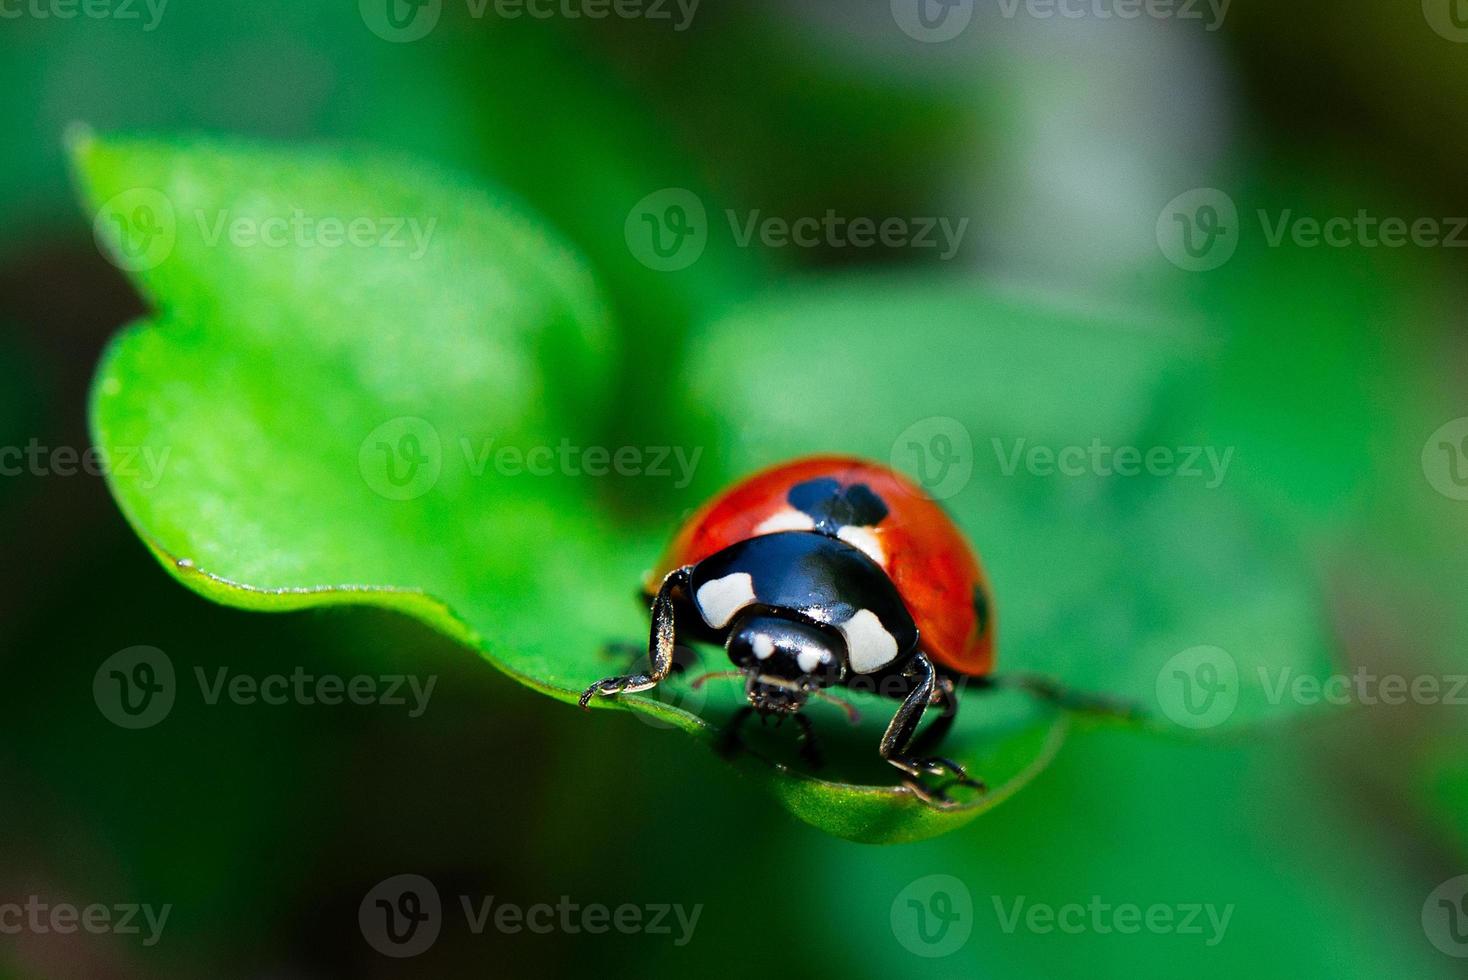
[(783, 659)]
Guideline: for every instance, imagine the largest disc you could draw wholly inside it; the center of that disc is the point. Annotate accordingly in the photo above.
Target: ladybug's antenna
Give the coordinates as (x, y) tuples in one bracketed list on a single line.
[(852, 715), (715, 675)]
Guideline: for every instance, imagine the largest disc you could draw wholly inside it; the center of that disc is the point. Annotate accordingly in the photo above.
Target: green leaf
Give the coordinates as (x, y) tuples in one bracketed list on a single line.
[(260, 419), (315, 419)]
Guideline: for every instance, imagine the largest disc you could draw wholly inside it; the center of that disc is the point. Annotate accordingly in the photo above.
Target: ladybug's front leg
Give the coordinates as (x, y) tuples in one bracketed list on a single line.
[(660, 645), (897, 741)]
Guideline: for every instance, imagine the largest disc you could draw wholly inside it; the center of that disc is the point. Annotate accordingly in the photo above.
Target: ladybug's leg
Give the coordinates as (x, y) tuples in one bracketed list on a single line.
[(660, 645), (945, 697), (809, 750), (896, 742), (729, 742)]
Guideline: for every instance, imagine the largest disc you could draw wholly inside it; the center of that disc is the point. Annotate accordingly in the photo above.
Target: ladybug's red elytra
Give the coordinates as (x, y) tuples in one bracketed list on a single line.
[(828, 571)]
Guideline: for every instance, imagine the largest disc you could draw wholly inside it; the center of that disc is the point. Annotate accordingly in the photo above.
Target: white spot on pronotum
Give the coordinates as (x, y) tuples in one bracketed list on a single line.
[(868, 644), (719, 599), (864, 538), (788, 519), (764, 647), (811, 660)]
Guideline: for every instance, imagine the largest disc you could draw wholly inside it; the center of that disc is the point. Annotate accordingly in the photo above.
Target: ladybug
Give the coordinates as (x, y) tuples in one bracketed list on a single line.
[(828, 571)]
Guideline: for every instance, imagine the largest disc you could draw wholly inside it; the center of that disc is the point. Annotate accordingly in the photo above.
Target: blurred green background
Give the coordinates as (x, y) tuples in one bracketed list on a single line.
[(1062, 140)]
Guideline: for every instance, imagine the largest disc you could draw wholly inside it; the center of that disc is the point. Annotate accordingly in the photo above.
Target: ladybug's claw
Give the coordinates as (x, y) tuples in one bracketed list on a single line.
[(616, 685), (936, 796)]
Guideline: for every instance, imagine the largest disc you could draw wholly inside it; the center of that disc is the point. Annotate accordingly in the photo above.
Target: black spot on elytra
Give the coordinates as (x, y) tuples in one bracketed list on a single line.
[(832, 506), (981, 609)]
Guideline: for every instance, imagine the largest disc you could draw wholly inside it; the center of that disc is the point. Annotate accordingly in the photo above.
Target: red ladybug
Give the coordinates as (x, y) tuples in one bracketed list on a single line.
[(827, 571)]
